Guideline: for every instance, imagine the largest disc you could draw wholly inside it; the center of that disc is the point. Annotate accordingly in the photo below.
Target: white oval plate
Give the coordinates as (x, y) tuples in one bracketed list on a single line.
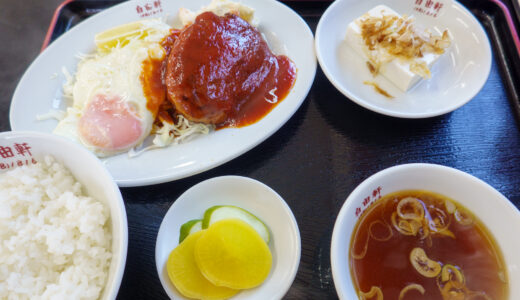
[(40, 90), (457, 76), (248, 194)]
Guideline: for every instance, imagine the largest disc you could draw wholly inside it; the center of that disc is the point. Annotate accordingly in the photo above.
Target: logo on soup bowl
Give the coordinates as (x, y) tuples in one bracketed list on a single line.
[(488, 206)]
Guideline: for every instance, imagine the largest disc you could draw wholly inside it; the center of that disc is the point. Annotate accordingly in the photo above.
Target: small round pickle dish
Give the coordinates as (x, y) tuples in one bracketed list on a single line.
[(253, 196)]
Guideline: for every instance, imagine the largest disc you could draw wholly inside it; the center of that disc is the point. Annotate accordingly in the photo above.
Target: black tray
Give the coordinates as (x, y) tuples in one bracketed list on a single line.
[(331, 144)]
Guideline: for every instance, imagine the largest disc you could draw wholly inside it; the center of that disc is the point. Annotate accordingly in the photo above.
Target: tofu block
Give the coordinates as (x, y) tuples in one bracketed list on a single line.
[(397, 71)]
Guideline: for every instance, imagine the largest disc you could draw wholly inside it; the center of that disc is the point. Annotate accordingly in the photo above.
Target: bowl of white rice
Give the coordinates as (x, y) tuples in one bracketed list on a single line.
[(63, 226)]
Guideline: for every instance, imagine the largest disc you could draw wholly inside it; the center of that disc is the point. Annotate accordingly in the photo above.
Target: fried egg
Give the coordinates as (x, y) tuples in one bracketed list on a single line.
[(111, 111)]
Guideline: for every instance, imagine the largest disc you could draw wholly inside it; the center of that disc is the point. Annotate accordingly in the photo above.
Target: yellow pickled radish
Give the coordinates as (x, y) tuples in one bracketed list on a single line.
[(185, 274), (232, 254)]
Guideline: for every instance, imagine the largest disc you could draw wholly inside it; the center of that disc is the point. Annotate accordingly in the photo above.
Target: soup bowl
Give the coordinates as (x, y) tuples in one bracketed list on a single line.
[(494, 210)]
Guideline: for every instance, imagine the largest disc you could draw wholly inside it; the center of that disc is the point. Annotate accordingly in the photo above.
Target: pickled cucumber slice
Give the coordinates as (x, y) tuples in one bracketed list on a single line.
[(231, 253), (188, 228), (221, 212), (186, 276)]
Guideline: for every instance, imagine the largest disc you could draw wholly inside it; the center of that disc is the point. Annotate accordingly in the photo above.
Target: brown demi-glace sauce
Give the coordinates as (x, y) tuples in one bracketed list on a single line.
[(387, 264), (221, 71)]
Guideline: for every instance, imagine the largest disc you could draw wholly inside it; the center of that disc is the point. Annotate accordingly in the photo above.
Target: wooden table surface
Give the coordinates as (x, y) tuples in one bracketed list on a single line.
[(314, 161)]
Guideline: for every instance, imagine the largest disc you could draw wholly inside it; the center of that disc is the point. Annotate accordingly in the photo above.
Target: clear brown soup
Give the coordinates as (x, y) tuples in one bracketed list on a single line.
[(417, 244)]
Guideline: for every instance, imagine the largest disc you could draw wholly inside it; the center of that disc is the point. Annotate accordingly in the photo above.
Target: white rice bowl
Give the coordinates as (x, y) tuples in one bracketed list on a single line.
[(55, 242)]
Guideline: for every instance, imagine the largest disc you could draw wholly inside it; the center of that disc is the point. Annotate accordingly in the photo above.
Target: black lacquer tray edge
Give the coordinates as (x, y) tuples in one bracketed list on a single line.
[(506, 44)]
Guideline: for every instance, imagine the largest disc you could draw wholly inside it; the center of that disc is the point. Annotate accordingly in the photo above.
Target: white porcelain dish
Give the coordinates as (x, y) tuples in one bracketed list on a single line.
[(498, 214), (40, 90), (88, 170), (457, 76), (249, 194)]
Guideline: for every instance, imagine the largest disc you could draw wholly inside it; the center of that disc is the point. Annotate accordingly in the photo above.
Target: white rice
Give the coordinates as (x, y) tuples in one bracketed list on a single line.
[(55, 242)]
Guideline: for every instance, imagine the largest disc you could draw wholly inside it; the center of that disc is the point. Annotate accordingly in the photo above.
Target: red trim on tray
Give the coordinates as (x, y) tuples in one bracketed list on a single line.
[(510, 23), (47, 39)]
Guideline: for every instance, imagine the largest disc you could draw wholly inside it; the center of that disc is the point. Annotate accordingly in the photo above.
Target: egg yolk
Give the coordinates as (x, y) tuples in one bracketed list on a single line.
[(109, 123)]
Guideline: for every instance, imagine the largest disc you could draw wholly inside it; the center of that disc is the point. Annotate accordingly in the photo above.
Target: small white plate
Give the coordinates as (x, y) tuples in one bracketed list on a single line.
[(40, 89), (248, 194), (457, 76)]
